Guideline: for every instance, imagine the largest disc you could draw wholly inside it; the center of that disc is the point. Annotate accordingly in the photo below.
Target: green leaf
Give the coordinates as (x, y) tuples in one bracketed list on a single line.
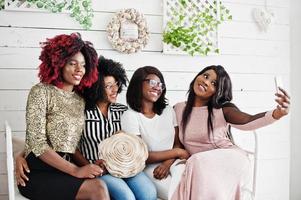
[(40, 4), (183, 3), (81, 10), (85, 4), (185, 31)]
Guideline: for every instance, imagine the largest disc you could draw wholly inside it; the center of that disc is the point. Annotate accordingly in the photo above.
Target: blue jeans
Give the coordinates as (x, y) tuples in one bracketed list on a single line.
[(139, 187)]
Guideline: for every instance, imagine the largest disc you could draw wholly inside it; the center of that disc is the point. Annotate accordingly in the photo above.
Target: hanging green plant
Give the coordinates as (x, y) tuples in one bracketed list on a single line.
[(192, 26), (2, 4), (80, 10)]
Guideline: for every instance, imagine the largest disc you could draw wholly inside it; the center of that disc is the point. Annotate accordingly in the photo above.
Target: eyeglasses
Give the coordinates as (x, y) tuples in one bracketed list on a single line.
[(115, 85), (153, 83)]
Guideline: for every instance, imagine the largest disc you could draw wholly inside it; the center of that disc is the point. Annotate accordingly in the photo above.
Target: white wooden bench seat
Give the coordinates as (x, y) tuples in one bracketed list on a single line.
[(13, 192)]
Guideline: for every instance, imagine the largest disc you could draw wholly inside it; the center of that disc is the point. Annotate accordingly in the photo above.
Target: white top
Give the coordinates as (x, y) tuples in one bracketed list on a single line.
[(157, 132)]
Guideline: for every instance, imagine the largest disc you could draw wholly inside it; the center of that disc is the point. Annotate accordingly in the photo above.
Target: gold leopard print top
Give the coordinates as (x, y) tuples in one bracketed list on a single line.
[(54, 120)]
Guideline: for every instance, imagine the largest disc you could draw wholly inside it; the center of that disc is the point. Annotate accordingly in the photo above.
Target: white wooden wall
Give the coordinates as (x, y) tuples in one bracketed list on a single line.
[(295, 164), (251, 57)]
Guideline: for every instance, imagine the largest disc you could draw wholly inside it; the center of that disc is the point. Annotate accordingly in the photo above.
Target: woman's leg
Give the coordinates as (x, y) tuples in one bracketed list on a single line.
[(176, 172), (118, 188), (142, 187), (93, 189), (162, 186)]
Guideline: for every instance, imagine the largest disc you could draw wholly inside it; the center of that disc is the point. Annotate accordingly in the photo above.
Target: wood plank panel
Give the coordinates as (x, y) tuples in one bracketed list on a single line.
[(272, 178), (237, 46), (13, 99), (240, 13), (3, 168), (31, 37), (153, 7), (23, 58), (24, 81), (238, 30), (274, 3), (19, 37), (65, 22), (243, 12), (3, 183)]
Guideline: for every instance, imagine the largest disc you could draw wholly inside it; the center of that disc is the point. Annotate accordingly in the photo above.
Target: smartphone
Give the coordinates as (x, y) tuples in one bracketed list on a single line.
[(278, 83)]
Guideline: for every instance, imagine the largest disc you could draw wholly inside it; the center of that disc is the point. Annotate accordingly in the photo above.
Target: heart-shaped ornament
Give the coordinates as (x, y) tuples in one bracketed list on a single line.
[(263, 18)]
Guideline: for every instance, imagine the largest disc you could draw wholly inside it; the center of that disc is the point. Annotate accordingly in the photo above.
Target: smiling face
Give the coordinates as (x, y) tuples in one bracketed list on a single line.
[(111, 89), (205, 85), (73, 71), (151, 89)]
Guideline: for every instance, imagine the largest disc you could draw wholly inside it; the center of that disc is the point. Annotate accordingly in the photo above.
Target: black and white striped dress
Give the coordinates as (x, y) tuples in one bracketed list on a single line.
[(98, 128)]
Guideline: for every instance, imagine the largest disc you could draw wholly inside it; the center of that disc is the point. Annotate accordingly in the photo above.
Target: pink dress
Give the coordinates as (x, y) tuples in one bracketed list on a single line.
[(216, 170)]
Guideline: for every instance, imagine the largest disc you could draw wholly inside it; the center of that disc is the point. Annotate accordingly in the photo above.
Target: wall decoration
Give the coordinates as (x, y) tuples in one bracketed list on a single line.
[(191, 26), (2, 4), (264, 17), (127, 31), (80, 10)]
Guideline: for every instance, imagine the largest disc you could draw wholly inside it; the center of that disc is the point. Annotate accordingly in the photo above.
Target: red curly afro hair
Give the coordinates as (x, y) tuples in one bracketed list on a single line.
[(57, 51)]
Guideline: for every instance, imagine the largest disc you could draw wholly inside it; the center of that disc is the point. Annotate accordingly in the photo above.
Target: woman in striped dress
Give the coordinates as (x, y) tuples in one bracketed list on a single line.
[(102, 121)]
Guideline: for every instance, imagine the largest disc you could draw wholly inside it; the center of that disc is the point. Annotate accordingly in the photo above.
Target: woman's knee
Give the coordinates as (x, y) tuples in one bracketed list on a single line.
[(124, 194), (100, 189), (142, 187), (93, 189), (150, 194), (118, 188)]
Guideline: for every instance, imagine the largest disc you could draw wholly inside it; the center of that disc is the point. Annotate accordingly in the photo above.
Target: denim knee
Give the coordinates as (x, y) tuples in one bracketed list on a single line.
[(118, 188), (150, 193), (142, 187)]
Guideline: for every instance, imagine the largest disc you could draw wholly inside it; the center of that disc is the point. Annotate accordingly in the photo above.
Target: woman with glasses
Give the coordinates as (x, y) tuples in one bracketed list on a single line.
[(102, 120), (151, 118)]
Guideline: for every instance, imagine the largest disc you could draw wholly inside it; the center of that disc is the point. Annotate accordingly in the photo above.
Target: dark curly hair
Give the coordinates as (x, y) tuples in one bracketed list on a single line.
[(57, 51), (106, 67), (134, 92)]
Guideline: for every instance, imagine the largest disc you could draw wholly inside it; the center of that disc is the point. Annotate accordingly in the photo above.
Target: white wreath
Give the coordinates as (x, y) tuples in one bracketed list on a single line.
[(127, 31)]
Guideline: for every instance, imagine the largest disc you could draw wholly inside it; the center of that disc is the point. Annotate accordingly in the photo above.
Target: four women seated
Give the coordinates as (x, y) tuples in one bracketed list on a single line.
[(62, 135)]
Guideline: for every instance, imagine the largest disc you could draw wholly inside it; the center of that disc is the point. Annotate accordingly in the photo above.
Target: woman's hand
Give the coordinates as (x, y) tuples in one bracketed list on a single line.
[(88, 171), (283, 100), (162, 170), (101, 164), (182, 153), (21, 168)]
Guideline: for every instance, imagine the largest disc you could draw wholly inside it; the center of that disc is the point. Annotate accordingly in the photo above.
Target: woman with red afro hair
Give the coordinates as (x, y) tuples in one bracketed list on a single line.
[(58, 50), (54, 123)]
